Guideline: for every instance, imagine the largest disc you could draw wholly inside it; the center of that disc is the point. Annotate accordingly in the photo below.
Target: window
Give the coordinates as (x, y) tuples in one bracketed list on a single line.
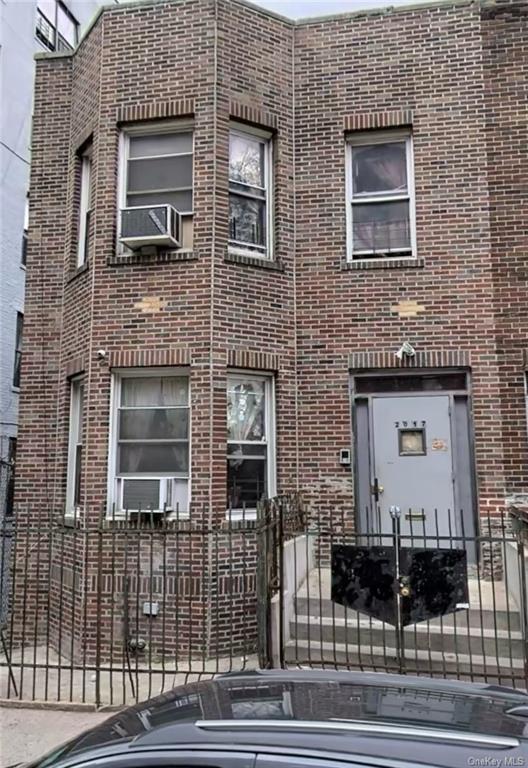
[(56, 28), (250, 454), (85, 205), (75, 449), (380, 206), (157, 169), (250, 205), (23, 256), (10, 484), (18, 349), (150, 458)]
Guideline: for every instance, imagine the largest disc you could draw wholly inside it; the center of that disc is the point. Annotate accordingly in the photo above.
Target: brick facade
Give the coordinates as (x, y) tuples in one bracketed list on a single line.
[(455, 73)]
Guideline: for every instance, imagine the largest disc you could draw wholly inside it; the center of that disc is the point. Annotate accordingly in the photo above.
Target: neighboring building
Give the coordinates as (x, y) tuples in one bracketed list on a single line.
[(346, 185), (27, 28)]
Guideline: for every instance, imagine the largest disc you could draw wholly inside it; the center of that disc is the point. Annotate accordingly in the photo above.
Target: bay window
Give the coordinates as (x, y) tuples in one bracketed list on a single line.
[(250, 444), (150, 452), (380, 205), (250, 185)]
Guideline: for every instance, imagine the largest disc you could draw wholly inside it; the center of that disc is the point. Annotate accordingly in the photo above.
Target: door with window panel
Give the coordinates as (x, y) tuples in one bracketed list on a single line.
[(152, 443), (249, 441)]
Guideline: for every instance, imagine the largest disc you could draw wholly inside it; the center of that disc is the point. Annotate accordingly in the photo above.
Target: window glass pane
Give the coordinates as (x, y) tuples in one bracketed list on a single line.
[(246, 410), (161, 144), (247, 220), (380, 227), (160, 173), (47, 7), (141, 494), (159, 390), (182, 201), (379, 168), (246, 482), (258, 451), (153, 457), (246, 160), (154, 423), (67, 27)]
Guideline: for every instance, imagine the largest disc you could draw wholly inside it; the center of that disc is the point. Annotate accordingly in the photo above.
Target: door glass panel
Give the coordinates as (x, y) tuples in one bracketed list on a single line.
[(411, 442), (436, 382)]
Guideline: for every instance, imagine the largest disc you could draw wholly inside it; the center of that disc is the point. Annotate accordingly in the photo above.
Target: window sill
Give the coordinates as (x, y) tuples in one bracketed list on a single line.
[(409, 262), (253, 261), (15, 389), (74, 273), (162, 257)]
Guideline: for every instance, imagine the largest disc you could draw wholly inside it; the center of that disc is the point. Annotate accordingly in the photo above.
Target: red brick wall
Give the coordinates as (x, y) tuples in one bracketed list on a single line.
[(457, 72)]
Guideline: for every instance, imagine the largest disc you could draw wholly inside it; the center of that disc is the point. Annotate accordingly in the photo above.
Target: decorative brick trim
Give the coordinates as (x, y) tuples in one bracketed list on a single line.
[(254, 261), (347, 266), (76, 365), (147, 358), (161, 257), (133, 113), (249, 358), (442, 358), (250, 114), (364, 121)]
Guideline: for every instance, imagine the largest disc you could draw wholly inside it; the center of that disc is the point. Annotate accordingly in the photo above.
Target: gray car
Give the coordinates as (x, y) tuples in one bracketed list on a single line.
[(310, 719)]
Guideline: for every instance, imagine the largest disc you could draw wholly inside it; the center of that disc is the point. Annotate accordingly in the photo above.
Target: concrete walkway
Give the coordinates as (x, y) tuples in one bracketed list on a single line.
[(28, 733)]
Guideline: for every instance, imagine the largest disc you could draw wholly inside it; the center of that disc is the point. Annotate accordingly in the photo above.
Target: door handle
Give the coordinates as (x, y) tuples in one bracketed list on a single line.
[(376, 489)]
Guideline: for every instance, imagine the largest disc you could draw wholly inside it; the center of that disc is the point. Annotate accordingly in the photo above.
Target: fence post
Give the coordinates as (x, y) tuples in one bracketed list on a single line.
[(99, 578)]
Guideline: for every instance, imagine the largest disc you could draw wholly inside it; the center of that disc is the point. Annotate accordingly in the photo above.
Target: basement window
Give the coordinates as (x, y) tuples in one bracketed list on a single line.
[(380, 196), (250, 442), (149, 469)]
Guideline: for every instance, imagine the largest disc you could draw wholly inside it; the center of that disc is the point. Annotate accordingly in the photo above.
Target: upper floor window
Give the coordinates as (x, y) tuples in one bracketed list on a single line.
[(150, 451), (18, 349), (157, 169), (56, 27), (23, 255), (85, 205), (250, 186), (380, 192)]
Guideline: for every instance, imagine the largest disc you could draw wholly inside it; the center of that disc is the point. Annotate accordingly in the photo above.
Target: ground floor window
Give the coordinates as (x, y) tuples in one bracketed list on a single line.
[(75, 446), (149, 465), (250, 444)]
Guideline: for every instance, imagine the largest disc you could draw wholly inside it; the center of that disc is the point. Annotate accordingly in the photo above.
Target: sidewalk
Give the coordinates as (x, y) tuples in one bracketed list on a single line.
[(28, 733)]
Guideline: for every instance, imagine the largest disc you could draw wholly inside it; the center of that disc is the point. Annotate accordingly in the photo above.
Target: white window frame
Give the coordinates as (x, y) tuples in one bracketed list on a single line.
[(270, 426), (380, 137), (84, 205), (114, 498), (75, 438), (266, 138), (146, 129)]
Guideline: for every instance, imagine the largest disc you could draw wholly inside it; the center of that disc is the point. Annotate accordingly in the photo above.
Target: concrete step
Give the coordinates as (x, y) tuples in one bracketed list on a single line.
[(502, 670), (454, 639), (477, 616)]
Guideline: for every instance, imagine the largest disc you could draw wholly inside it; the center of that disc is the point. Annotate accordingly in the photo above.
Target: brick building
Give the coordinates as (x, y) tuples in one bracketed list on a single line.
[(343, 296)]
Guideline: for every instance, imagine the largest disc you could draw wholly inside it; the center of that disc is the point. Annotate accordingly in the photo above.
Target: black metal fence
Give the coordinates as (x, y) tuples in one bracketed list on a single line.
[(110, 611), (409, 600)]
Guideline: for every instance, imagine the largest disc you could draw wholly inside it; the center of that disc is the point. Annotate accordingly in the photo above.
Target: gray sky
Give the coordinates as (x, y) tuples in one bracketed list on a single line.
[(299, 8)]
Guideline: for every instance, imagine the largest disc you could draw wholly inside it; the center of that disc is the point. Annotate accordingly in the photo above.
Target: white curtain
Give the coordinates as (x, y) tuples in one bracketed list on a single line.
[(160, 390)]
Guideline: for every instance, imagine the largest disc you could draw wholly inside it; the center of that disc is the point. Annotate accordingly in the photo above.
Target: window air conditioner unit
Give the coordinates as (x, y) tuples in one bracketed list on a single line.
[(150, 225)]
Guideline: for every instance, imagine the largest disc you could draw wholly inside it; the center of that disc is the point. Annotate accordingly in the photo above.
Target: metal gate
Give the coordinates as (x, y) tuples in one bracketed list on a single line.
[(401, 601)]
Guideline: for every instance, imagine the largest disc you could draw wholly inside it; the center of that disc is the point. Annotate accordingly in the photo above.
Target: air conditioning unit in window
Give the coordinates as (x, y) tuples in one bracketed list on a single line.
[(150, 225)]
